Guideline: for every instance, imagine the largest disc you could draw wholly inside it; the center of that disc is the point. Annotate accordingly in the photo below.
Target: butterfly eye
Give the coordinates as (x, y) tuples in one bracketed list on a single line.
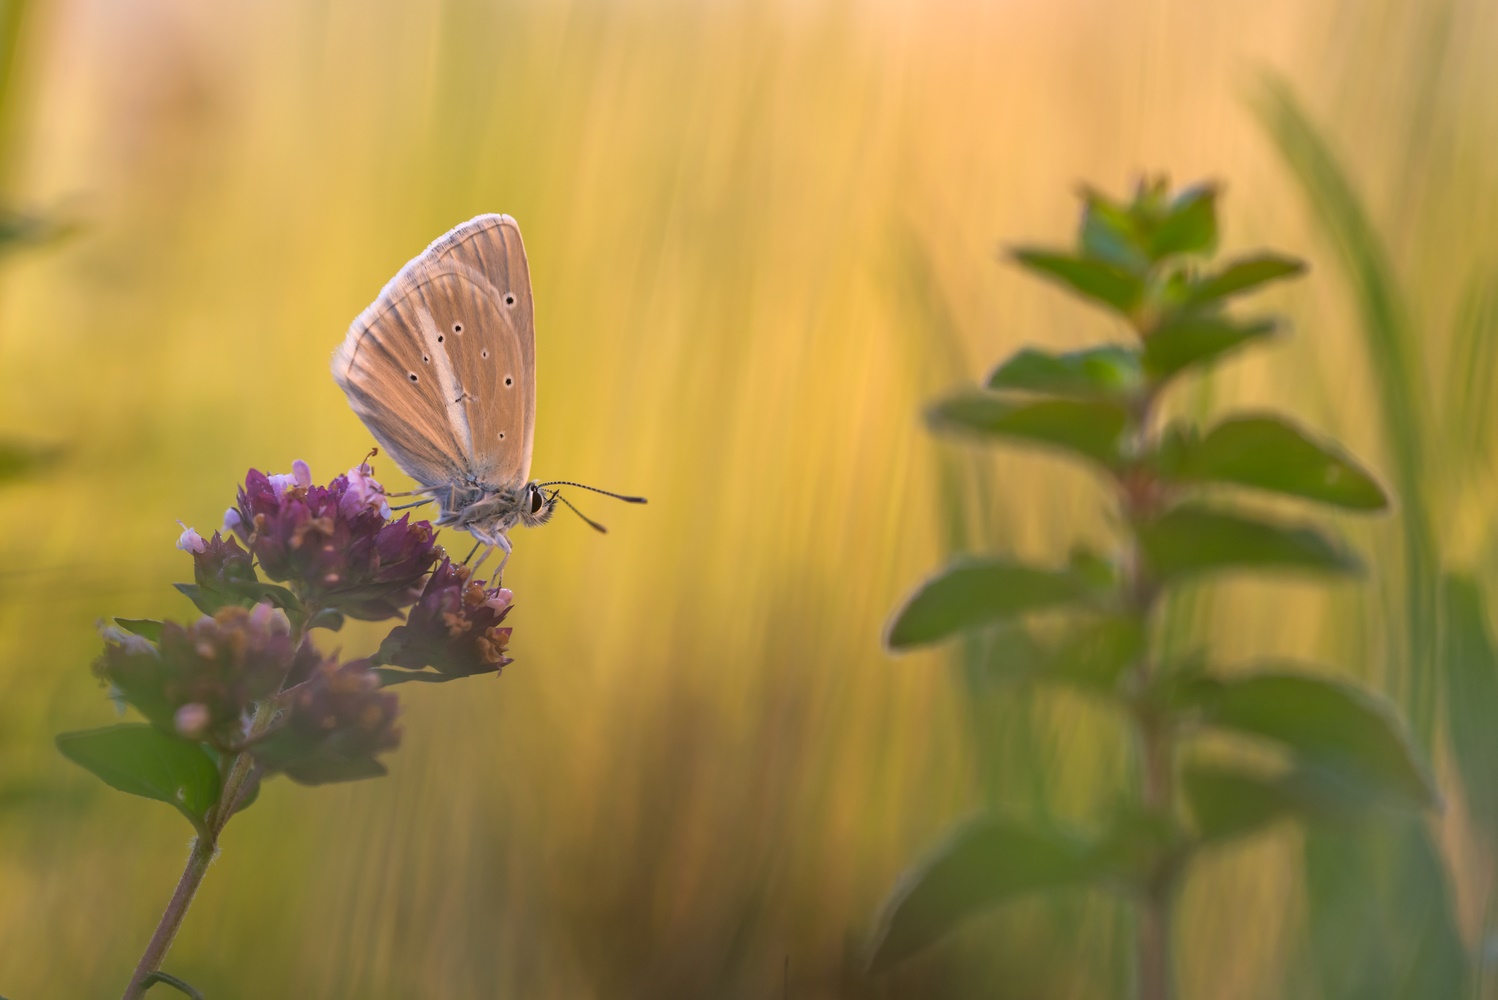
[(537, 500)]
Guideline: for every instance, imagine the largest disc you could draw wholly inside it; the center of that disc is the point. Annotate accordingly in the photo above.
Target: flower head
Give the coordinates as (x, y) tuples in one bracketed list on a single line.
[(454, 627), (333, 544), (201, 679), (220, 563), (336, 722)]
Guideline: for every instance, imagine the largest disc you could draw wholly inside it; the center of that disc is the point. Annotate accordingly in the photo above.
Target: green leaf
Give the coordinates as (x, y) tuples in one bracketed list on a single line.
[(180, 985), (316, 759), (1470, 665), (1193, 539), (1196, 338), (973, 593), (1247, 274), (1109, 233), (146, 628), (1381, 920), (1099, 372), (1230, 802), (1090, 656), (328, 618), (399, 675), (243, 593), (1097, 280), (1271, 454), (1351, 733), (1093, 429), (1190, 227), (142, 760), (325, 770), (981, 863)]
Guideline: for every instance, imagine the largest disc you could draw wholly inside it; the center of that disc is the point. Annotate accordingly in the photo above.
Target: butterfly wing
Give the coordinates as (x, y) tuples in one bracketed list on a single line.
[(441, 367)]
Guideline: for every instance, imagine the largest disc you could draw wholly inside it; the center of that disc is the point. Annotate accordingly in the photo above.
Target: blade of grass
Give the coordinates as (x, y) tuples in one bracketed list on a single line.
[(1388, 338)]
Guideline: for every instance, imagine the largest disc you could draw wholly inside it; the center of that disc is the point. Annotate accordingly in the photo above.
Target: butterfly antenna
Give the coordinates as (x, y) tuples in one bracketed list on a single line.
[(595, 489), (557, 495)]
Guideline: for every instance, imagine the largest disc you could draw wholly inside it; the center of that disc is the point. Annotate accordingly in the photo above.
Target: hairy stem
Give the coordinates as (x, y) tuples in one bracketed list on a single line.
[(204, 849), (171, 921)]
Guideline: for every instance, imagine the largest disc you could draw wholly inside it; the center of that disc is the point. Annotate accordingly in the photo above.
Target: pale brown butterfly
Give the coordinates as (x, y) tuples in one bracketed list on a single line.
[(442, 370)]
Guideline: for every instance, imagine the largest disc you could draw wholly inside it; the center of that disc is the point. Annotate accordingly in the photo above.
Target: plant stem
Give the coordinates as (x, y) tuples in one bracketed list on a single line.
[(204, 849), (1139, 499), (1153, 932), (187, 887)]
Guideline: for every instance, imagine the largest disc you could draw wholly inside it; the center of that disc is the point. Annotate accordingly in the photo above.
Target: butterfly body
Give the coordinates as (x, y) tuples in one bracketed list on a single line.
[(489, 512)]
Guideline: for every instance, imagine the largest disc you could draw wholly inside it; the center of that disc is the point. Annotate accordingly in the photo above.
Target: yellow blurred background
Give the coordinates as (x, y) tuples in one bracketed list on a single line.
[(761, 235)]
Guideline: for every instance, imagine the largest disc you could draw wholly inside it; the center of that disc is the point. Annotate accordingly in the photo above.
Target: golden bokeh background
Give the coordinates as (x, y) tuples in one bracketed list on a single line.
[(761, 235)]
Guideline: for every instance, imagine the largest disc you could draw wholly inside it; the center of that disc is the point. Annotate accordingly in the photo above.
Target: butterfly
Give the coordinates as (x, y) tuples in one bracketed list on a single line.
[(441, 368)]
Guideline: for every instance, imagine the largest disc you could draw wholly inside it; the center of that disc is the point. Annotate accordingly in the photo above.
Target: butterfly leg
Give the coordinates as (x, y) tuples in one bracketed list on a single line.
[(482, 559), (502, 541)]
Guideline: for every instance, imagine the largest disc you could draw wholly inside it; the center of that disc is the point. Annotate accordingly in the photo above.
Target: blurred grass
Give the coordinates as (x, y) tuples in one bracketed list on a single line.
[(761, 236)]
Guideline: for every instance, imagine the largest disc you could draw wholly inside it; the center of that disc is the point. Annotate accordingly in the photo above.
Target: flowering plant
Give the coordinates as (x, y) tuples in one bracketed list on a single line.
[(243, 692)]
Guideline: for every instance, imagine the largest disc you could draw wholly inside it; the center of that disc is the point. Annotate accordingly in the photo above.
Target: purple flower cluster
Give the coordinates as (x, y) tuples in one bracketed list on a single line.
[(333, 545), (455, 627), (294, 556), (335, 723), (201, 680)]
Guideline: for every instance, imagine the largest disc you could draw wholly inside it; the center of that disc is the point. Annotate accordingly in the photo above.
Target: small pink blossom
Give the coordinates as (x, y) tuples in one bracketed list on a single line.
[(190, 540), (192, 720), (300, 477), (363, 491)]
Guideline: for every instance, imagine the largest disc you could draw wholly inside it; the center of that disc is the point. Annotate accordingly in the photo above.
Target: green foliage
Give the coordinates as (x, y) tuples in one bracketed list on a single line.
[(1095, 279), (1194, 339), (1343, 754), (180, 985), (141, 760), (1384, 911), (1347, 732), (1470, 664), (1088, 428), (1274, 455), (1097, 373), (976, 592), (146, 628), (980, 863), (1247, 274), (1192, 539)]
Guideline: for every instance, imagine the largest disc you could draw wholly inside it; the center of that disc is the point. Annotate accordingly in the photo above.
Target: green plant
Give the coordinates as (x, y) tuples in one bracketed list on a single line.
[(1338, 753)]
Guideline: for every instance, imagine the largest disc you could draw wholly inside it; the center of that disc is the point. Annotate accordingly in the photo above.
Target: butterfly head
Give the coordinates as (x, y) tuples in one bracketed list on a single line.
[(536, 505)]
